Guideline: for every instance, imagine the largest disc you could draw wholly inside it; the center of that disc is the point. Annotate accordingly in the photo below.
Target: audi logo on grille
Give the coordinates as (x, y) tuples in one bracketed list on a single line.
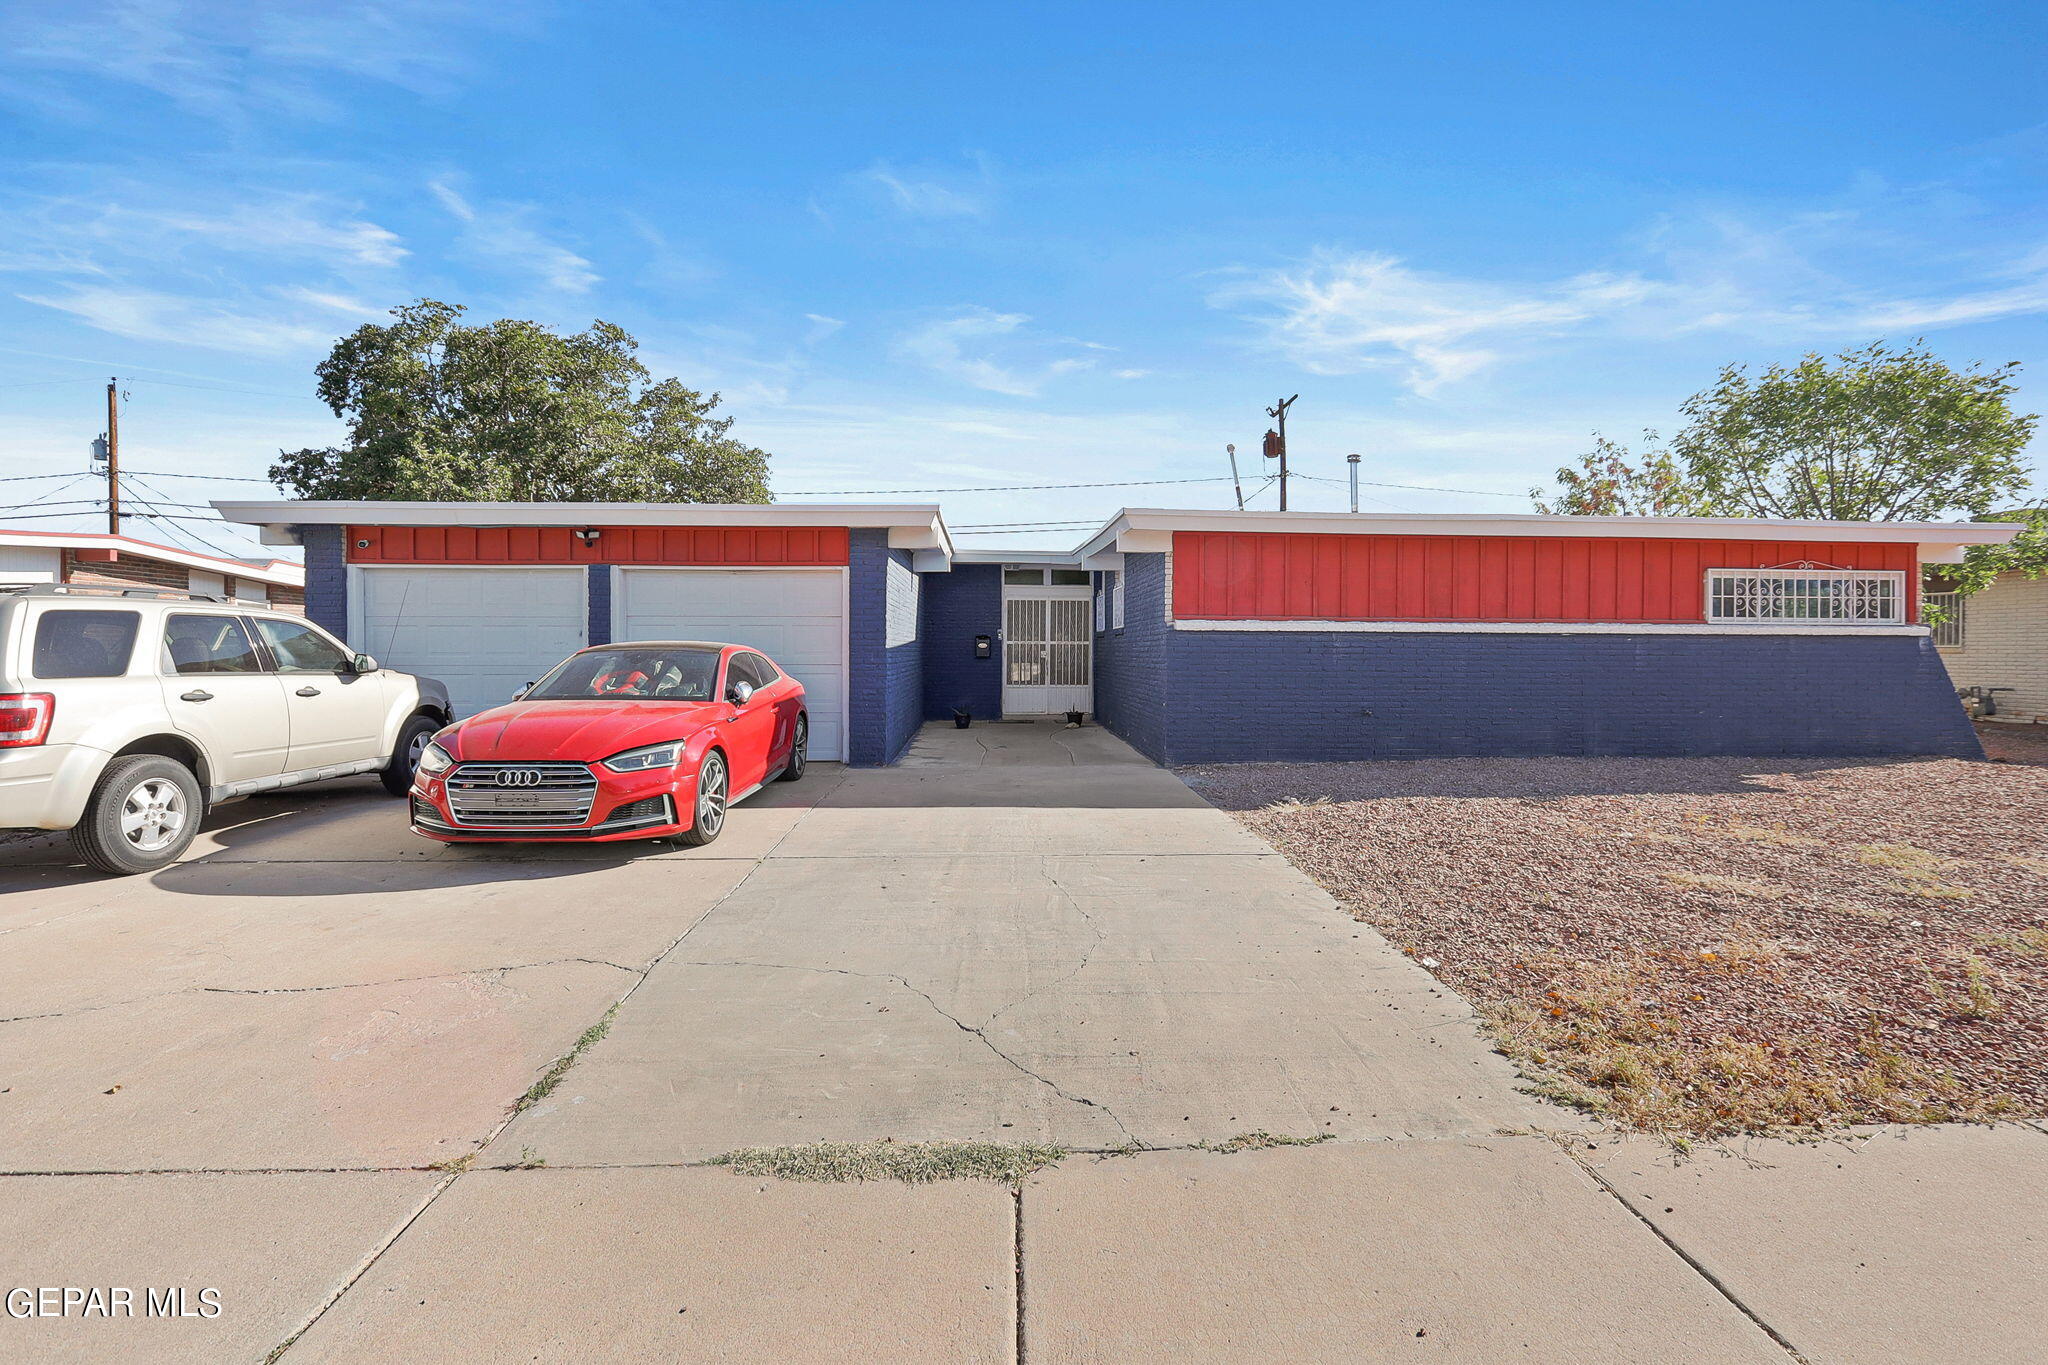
[(519, 777)]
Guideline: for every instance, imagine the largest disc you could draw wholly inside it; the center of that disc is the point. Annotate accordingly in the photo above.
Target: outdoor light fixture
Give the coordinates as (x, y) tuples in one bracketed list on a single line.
[(588, 535)]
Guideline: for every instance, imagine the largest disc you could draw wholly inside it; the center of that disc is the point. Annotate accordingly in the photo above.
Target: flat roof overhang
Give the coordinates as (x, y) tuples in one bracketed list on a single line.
[(276, 572), (916, 527), (1140, 530)]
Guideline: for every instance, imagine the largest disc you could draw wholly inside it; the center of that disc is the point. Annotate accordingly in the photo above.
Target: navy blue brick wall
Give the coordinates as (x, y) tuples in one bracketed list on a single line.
[(1310, 695), (598, 629), (327, 579), (1133, 689), (886, 664), (957, 607)]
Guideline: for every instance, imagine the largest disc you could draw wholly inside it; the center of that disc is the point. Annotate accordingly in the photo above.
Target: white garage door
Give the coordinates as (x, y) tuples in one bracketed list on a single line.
[(796, 617), (485, 632)]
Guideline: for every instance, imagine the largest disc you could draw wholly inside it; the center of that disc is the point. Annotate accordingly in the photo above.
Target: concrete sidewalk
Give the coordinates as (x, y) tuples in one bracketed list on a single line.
[(284, 1070)]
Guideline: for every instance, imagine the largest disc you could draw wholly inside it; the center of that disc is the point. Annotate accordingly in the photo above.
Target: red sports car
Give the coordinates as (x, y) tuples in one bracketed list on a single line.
[(628, 741)]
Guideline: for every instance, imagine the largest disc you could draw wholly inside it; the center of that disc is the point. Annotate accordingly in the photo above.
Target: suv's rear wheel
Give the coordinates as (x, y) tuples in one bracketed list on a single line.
[(143, 813), (413, 738)]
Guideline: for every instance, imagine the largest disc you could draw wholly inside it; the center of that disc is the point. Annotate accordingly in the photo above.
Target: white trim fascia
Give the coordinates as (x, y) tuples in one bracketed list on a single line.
[(1544, 628), (998, 555), (1939, 541), (280, 572), (919, 525)]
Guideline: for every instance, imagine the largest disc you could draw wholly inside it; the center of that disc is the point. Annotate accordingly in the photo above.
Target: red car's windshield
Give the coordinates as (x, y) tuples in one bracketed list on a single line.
[(653, 672)]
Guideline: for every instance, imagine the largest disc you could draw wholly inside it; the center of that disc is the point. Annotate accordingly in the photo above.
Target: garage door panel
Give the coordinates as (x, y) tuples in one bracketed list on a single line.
[(484, 632), (795, 617)]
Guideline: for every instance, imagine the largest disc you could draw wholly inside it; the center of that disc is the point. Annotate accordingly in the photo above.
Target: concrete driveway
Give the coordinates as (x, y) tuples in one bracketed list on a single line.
[(287, 1070)]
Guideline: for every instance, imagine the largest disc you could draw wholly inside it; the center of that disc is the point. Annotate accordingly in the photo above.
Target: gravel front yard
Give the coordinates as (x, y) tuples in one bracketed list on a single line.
[(1705, 946)]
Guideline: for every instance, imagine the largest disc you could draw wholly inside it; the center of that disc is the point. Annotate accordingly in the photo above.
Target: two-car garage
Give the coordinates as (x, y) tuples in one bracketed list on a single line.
[(487, 597), (488, 631)]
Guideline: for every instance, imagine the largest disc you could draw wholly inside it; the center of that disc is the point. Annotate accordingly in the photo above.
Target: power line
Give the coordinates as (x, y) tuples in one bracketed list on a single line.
[(29, 478), (1415, 487), (993, 488), (192, 537), (221, 478)]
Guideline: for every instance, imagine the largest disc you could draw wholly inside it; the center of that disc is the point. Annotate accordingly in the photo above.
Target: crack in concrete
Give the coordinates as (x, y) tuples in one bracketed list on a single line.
[(949, 1017), (302, 990), (1086, 957), (1721, 1287)]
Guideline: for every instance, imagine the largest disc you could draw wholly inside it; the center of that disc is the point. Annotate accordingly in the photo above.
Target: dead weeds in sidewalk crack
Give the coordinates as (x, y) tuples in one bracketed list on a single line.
[(911, 1162)]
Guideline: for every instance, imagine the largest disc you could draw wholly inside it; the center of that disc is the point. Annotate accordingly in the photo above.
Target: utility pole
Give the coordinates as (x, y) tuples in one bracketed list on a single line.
[(114, 456), (1352, 461), (1235, 482), (1276, 443)]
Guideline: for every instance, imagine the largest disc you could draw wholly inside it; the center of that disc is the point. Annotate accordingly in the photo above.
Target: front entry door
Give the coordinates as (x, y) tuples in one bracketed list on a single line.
[(1048, 651)]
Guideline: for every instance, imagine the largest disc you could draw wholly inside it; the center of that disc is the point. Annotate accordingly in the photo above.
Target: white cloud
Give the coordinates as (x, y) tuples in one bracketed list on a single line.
[(1339, 314), (821, 327), (930, 197), (234, 61), (150, 315), (504, 234), (963, 347)]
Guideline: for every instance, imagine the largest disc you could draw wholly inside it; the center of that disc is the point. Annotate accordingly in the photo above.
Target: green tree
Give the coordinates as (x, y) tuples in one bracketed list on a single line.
[(513, 411), (1875, 434), (1610, 481), (2026, 555)]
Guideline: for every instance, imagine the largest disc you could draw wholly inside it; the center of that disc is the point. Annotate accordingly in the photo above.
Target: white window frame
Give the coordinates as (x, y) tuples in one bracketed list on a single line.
[(1851, 600), (1101, 603), (1949, 634), (1116, 600)]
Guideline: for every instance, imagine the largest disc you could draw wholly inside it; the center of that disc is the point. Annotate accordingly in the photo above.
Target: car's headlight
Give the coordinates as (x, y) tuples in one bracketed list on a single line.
[(435, 759), (640, 760)]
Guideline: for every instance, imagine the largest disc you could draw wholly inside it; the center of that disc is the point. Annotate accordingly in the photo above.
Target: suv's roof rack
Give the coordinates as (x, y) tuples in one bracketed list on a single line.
[(108, 590)]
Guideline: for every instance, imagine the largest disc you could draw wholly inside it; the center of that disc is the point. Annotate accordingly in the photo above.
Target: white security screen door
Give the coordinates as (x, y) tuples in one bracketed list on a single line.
[(1048, 651)]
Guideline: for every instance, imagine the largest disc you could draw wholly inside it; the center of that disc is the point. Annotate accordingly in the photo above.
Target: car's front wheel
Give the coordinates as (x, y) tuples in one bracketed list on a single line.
[(142, 815), (413, 738), (713, 793)]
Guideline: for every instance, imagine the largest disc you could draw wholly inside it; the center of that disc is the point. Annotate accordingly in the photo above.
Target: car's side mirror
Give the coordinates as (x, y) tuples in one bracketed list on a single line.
[(362, 663), (522, 692), (740, 692)]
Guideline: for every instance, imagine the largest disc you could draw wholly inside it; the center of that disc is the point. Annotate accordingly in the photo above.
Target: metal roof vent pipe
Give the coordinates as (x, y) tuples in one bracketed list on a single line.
[(1352, 460)]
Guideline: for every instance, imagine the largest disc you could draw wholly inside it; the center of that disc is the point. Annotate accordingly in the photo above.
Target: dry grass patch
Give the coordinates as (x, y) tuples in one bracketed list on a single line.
[(1613, 1039), (1778, 837), (913, 1162), (1932, 890), (1260, 1140), (2022, 943), (1903, 858)]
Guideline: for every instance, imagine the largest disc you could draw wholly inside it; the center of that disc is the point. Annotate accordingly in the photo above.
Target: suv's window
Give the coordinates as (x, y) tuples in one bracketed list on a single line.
[(85, 644), (300, 648), (208, 644)]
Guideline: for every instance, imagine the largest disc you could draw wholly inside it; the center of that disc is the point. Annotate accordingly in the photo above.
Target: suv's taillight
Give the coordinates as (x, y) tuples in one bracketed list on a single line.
[(25, 718)]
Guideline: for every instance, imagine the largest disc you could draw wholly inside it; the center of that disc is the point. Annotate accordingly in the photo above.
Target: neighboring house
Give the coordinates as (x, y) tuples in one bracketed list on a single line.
[(1197, 636), (125, 562), (1997, 639)]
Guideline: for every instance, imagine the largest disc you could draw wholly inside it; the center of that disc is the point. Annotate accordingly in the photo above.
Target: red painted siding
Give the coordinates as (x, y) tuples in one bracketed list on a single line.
[(799, 545), (1236, 576)]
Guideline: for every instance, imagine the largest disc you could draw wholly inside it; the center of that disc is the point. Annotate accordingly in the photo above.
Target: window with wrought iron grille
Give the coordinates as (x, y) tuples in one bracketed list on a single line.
[(1116, 600), (1948, 632), (1818, 597)]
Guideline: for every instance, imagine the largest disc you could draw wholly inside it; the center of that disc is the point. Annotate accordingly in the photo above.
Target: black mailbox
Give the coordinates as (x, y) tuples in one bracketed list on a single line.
[(984, 647)]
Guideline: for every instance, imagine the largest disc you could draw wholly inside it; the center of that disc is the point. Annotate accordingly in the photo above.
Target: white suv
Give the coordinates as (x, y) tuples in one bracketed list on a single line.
[(126, 713)]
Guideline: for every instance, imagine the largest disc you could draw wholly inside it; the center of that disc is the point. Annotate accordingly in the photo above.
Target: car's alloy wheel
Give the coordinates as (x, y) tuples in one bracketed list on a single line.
[(711, 796), (154, 815)]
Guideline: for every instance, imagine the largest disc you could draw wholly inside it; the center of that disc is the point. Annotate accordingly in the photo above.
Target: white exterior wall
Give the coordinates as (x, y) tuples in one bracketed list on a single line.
[(2005, 644), (29, 564)]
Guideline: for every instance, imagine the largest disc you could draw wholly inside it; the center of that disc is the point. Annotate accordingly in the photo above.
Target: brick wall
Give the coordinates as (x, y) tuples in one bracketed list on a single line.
[(598, 624), (886, 659), (957, 607), (1133, 690), (326, 595), (2005, 644), (1189, 696), (286, 598), (126, 571)]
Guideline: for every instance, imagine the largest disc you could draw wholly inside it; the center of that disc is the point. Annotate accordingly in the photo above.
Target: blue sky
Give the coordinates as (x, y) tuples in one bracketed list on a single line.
[(927, 246)]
